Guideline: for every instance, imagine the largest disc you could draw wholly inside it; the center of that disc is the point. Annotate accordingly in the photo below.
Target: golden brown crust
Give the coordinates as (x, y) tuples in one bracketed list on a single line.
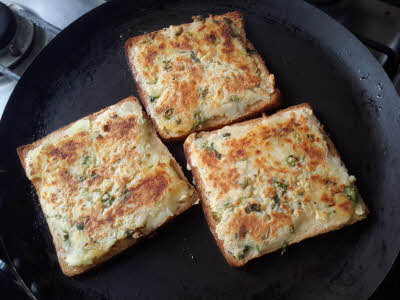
[(122, 244), (253, 110), (203, 200), (208, 211)]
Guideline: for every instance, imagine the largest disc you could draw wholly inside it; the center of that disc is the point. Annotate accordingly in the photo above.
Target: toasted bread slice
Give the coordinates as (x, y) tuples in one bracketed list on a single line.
[(103, 182), (200, 76), (270, 182)]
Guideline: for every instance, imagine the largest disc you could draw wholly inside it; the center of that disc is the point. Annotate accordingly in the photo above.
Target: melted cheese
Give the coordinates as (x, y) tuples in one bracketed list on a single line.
[(273, 181), (200, 73), (103, 179)]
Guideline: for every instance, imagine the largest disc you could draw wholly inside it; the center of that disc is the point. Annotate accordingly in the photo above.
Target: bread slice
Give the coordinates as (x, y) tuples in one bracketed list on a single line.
[(103, 182), (200, 76), (270, 182)]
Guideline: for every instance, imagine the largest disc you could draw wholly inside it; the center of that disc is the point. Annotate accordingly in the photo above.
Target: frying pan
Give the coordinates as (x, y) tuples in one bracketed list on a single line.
[(314, 59)]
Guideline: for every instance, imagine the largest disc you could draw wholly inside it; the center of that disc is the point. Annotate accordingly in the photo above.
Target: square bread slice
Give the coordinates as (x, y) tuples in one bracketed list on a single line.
[(103, 182), (200, 76), (270, 182)]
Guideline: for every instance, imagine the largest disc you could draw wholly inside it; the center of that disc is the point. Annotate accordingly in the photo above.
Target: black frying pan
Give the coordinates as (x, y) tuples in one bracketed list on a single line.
[(314, 59)]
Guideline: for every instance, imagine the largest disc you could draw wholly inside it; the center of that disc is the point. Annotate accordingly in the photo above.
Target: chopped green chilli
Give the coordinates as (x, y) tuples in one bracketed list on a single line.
[(167, 65), (198, 120), (244, 252), (291, 160), (80, 225), (107, 200), (194, 57), (86, 160), (154, 98), (350, 192), (235, 98), (285, 244), (168, 113), (202, 92), (216, 216), (252, 207), (153, 82)]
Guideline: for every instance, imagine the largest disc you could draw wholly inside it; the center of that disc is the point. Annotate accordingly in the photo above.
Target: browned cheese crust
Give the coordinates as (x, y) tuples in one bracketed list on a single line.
[(253, 193), (97, 177), (200, 76)]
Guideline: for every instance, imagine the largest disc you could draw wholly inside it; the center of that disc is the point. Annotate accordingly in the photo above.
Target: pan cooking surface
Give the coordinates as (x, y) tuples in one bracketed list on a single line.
[(314, 60)]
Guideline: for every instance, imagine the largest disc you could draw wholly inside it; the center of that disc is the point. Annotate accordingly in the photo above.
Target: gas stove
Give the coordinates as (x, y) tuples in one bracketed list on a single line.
[(26, 27)]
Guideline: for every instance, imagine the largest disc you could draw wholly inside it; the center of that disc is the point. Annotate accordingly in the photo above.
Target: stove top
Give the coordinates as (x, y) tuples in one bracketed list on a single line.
[(29, 25), (34, 23)]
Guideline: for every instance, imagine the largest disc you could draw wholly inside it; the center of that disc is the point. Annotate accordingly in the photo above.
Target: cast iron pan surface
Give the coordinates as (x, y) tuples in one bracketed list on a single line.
[(314, 59)]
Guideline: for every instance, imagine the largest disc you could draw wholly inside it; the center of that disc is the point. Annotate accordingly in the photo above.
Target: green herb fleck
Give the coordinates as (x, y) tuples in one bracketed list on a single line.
[(199, 18), (276, 202), (310, 137), (226, 134), (154, 98), (80, 225), (291, 160), (228, 205), (198, 120), (85, 160), (178, 121), (107, 200), (202, 92), (216, 216), (252, 207), (167, 64), (179, 31), (258, 248), (301, 194), (251, 51), (235, 236), (279, 184), (244, 252), (168, 113), (291, 229), (211, 149), (153, 82), (350, 192), (235, 98), (66, 235), (194, 57), (284, 247), (150, 166), (129, 234), (246, 183)]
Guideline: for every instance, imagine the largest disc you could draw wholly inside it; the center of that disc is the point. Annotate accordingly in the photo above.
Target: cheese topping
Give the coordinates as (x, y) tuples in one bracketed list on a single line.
[(103, 179), (273, 182), (200, 73)]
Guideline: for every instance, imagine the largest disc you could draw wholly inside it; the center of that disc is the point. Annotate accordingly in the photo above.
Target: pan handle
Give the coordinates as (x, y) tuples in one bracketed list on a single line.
[(9, 272)]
